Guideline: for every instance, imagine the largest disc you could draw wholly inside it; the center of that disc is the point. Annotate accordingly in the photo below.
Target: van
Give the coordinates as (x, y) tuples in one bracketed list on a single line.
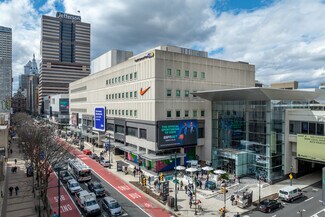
[(290, 193)]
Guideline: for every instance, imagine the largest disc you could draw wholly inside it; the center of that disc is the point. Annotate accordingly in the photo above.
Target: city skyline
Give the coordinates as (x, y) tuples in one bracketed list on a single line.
[(281, 38)]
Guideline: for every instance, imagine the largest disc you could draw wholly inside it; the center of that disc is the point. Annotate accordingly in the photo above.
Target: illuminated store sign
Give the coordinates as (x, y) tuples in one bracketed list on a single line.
[(148, 56)]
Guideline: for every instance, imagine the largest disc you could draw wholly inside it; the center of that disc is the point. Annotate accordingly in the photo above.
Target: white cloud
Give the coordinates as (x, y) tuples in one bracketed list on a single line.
[(285, 41)]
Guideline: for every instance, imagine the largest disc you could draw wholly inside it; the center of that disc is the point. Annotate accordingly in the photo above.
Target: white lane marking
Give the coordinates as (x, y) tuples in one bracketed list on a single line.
[(309, 199), (314, 189), (320, 201), (316, 214), (273, 215)]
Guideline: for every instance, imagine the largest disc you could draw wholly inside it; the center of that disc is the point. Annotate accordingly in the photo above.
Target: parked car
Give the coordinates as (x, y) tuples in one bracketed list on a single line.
[(97, 188), (269, 205), (65, 176), (94, 156), (104, 162), (290, 193), (73, 186), (87, 152), (111, 206)]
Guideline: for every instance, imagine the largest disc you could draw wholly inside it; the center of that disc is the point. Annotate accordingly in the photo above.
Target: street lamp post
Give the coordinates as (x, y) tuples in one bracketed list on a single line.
[(195, 203), (259, 189)]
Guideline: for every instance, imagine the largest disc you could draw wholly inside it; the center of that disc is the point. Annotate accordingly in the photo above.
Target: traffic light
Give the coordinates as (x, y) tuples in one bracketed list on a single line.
[(144, 181), (223, 190), (161, 177)]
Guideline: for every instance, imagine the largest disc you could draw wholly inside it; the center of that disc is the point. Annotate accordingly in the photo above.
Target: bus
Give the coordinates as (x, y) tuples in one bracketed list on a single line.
[(79, 170)]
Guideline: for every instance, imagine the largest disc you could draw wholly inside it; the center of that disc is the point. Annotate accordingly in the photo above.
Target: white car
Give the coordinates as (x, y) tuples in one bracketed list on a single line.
[(104, 162), (73, 186)]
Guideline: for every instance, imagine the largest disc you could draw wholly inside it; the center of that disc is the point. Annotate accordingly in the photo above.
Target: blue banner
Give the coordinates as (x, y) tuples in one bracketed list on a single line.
[(99, 119)]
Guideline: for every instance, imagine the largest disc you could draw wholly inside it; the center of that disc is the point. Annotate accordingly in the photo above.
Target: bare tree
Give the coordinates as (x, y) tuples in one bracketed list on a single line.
[(42, 152)]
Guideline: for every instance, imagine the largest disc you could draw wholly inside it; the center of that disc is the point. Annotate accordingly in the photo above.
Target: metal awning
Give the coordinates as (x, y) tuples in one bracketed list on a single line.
[(90, 135), (154, 157), (128, 149)]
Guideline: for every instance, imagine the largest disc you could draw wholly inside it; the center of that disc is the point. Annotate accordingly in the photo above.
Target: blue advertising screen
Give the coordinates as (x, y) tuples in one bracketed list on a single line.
[(99, 119), (177, 133)]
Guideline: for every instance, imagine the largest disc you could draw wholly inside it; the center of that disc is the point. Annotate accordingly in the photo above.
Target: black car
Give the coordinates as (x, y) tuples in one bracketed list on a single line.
[(268, 205), (97, 188), (65, 176), (94, 156)]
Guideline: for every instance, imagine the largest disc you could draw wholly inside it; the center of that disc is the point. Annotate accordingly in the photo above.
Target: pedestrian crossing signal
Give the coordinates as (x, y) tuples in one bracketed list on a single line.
[(161, 177), (223, 190), (290, 176)]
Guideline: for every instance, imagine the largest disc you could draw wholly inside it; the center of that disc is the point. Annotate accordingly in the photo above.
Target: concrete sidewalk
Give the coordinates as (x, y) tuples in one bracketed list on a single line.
[(213, 201), (22, 204)]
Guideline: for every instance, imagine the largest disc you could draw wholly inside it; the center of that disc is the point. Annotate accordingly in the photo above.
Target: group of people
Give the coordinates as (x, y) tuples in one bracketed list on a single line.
[(11, 190)]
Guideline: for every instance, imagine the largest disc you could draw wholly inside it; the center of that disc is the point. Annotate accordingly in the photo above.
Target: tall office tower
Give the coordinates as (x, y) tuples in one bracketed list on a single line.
[(65, 53), (5, 68)]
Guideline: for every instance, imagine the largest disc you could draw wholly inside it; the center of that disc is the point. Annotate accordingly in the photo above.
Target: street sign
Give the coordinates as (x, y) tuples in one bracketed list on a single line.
[(165, 190), (290, 176)]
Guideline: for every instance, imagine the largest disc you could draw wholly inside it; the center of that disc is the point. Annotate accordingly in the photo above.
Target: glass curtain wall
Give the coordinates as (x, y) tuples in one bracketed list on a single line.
[(254, 132)]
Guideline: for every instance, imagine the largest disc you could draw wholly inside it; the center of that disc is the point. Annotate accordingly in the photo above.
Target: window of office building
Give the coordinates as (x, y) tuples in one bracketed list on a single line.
[(202, 75), (119, 79), (109, 111), (127, 112), (169, 72), (135, 113), (320, 129), (178, 93), (115, 95), (119, 95), (106, 82), (109, 96), (119, 129), (202, 113), (119, 112), (169, 93), (312, 128), (131, 113), (187, 74), (178, 114), (201, 132), (131, 76), (122, 78), (106, 96), (126, 77), (195, 74), (135, 75), (194, 113), (143, 133), (131, 94), (115, 80), (112, 80), (304, 127), (110, 127), (123, 112), (186, 113), (178, 73), (122, 95), (186, 93), (126, 95), (109, 81), (169, 114), (135, 94), (112, 96), (132, 131)]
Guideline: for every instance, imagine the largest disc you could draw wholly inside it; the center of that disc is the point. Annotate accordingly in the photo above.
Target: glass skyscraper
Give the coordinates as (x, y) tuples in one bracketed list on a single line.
[(5, 68)]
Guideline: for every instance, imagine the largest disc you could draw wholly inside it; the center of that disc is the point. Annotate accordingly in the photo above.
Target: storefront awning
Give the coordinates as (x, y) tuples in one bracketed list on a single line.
[(90, 135), (154, 157), (128, 149)]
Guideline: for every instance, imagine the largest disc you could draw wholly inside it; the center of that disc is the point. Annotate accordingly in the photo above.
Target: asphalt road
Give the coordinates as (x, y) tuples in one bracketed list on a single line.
[(310, 205), (129, 209)]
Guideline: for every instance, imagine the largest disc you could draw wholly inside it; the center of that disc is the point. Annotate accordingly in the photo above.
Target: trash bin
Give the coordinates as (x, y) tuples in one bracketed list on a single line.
[(170, 201)]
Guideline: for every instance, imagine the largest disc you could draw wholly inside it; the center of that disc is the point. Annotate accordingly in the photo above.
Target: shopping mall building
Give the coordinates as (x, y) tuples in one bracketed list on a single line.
[(266, 133), (146, 106)]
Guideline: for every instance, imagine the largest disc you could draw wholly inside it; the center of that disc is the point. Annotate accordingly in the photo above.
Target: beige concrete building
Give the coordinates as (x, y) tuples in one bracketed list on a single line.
[(290, 85), (148, 98)]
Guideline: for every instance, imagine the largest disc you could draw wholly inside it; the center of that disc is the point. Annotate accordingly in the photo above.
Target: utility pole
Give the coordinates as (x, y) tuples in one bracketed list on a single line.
[(176, 182), (290, 176)]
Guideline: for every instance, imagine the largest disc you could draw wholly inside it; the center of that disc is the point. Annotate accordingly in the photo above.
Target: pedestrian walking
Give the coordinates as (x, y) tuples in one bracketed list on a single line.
[(200, 183), (134, 171), (181, 184), (185, 187), (16, 189), (232, 199), (1, 194), (15, 161), (10, 151), (10, 190), (190, 203)]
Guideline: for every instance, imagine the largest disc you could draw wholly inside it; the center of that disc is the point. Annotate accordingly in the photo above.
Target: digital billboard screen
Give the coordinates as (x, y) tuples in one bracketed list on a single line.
[(64, 105), (311, 147), (99, 119), (177, 133)]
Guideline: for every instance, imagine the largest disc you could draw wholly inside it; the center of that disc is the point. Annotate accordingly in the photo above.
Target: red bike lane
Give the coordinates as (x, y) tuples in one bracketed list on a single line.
[(67, 206), (124, 188)]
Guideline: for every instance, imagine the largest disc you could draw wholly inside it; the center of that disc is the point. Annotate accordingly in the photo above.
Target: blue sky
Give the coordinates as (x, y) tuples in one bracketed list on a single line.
[(284, 39)]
